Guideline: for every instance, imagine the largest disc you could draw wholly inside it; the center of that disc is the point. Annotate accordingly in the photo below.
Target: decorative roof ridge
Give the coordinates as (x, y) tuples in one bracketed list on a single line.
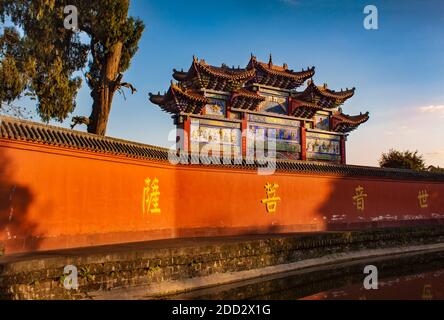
[(224, 72), (299, 103), (158, 98), (356, 119), (33, 132), (325, 91), (190, 93), (281, 70), (174, 90), (248, 93), (179, 75)]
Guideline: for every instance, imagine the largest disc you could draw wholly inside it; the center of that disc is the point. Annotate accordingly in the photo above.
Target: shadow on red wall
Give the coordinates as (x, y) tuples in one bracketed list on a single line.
[(363, 203), (15, 201)]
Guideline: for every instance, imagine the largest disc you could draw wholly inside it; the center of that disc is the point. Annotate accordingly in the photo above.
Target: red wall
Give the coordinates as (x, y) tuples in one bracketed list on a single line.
[(54, 198)]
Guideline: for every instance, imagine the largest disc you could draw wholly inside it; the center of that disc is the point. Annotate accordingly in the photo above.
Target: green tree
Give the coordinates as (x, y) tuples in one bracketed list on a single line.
[(15, 71), (435, 169), (402, 160), (46, 59)]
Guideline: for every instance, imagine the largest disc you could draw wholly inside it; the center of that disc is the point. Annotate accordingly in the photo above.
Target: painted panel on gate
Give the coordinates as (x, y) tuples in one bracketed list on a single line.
[(216, 135), (323, 147), (287, 134), (215, 107)]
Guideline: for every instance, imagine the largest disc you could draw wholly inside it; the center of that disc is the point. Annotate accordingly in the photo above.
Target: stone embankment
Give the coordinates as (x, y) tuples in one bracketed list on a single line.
[(172, 266)]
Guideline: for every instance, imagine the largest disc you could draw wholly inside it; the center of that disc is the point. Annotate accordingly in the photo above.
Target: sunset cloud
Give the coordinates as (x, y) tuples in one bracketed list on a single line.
[(433, 109)]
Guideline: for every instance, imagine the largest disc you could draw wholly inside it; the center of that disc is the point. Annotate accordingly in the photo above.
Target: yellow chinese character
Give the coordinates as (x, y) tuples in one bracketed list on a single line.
[(272, 199), (427, 292), (423, 197), (151, 196), (358, 198)]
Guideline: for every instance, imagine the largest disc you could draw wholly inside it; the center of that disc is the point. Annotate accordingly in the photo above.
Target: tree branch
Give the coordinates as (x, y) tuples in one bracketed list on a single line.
[(118, 85), (79, 120), (129, 86)]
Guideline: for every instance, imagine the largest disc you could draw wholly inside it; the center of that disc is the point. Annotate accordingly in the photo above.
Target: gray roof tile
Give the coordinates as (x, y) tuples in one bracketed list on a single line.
[(14, 129)]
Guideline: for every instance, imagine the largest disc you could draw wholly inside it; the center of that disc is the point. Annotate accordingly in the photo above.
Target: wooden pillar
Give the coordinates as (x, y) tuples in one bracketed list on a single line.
[(187, 132), (244, 134), (343, 154), (289, 107), (303, 143), (227, 111)]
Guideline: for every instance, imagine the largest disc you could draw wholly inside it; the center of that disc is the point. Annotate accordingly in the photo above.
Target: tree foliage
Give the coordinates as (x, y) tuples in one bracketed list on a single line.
[(46, 59), (402, 160), (435, 169), (15, 69)]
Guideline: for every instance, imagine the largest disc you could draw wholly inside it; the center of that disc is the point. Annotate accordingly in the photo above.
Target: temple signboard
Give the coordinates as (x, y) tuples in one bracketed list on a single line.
[(275, 101)]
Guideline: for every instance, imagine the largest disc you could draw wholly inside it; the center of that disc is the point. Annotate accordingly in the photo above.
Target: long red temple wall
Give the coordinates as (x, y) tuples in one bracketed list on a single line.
[(53, 198)]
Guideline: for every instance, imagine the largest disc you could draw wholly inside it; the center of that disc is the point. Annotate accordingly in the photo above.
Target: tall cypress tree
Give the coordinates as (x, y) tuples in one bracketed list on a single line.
[(39, 56)]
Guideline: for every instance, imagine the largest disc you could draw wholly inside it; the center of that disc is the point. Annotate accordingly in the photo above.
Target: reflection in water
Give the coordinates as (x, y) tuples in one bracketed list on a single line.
[(424, 285), (406, 278)]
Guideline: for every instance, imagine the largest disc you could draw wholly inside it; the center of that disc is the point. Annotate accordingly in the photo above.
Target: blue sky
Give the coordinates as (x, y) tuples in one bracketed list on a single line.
[(398, 70)]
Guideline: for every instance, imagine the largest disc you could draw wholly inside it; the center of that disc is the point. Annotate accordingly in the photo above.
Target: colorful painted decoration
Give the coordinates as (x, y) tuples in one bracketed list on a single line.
[(323, 147)]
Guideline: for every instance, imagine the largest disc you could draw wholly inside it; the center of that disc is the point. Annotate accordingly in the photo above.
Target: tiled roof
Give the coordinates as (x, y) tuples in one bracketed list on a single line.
[(248, 94), (200, 67), (282, 71), (361, 118), (324, 96), (172, 101), (345, 123), (245, 99), (203, 75), (303, 109), (341, 95), (20, 130), (226, 72)]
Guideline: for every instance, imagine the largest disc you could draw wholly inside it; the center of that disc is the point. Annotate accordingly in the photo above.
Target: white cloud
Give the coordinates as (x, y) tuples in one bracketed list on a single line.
[(435, 153), (432, 109)]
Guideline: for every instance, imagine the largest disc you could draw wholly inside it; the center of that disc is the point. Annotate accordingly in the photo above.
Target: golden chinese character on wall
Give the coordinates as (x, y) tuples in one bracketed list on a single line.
[(151, 196), (423, 198), (427, 292), (359, 198), (272, 198)]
